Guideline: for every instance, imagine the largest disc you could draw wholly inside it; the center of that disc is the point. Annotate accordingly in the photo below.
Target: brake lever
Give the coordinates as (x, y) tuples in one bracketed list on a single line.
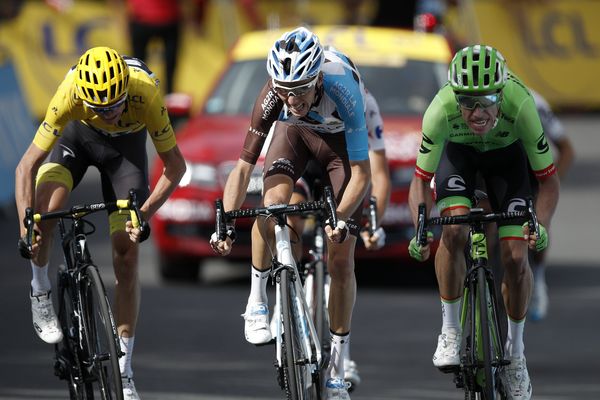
[(220, 227), (421, 225)]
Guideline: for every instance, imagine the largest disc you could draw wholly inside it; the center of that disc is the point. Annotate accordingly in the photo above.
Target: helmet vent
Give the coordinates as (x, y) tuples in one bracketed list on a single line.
[(290, 45), (287, 65), (475, 75)]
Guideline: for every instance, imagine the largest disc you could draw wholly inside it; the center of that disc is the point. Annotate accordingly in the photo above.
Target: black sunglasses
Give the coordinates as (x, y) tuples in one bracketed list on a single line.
[(106, 109), (470, 102)]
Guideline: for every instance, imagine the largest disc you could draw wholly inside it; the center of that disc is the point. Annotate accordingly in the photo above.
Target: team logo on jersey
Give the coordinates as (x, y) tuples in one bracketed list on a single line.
[(67, 152), (542, 144), (137, 99), (456, 183), (426, 140), (48, 128), (268, 104), (516, 204)]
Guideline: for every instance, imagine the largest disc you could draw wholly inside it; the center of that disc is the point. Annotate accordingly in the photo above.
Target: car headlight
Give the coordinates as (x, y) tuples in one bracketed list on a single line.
[(201, 175)]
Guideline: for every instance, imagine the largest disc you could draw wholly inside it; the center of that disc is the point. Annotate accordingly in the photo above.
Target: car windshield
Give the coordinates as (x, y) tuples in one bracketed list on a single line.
[(399, 90)]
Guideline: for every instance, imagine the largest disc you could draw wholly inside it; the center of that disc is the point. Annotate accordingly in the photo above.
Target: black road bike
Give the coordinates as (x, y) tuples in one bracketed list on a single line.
[(88, 356)]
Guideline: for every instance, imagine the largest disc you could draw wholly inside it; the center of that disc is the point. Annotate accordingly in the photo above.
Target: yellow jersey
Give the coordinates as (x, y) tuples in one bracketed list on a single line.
[(144, 109)]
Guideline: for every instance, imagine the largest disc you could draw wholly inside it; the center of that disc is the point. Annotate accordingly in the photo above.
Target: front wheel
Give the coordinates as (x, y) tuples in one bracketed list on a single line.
[(101, 338), (488, 385), (297, 367), (67, 363)]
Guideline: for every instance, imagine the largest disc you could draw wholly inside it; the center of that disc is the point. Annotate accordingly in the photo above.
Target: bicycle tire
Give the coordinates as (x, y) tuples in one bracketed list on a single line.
[(488, 388), (296, 366), (102, 338), (67, 354)]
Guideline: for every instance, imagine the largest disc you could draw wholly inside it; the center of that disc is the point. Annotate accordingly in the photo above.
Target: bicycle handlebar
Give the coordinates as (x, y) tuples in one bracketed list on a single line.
[(474, 217), (80, 211), (328, 205)]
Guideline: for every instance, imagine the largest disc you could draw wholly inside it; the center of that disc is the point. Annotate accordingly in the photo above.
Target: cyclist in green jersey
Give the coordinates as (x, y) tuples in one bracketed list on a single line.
[(484, 121)]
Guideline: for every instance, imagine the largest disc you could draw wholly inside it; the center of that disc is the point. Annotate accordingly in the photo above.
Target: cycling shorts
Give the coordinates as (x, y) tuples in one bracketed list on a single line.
[(121, 160), (505, 172), (293, 147)]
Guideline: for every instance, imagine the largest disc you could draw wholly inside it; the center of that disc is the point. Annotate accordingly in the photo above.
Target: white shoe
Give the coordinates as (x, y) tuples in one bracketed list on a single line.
[(256, 323), (447, 352), (515, 380), (45, 322), (129, 392), (351, 373), (538, 306), (337, 389)]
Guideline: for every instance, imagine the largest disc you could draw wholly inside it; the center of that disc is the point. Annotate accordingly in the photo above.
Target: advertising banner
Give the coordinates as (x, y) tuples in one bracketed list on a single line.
[(553, 45)]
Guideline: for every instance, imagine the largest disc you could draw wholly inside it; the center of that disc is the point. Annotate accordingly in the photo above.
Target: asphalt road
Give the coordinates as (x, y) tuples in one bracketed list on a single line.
[(190, 341)]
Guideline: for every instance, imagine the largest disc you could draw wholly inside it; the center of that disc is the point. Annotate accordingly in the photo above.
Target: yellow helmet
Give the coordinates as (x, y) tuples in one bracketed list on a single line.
[(101, 76)]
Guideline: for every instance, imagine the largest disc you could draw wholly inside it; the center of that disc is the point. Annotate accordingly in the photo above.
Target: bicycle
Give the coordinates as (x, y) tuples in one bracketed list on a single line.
[(88, 356), (299, 360), (482, 353)]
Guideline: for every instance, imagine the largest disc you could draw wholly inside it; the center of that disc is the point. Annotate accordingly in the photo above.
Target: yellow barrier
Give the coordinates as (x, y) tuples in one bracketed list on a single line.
[(554, 46)]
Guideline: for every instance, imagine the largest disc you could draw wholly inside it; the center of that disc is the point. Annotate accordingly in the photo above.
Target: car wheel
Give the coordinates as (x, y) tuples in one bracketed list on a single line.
[(176, 268)]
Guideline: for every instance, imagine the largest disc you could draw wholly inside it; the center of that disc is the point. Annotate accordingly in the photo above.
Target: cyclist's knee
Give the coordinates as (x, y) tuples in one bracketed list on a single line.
[(277, 189), (454, 236), (341, 265), (514, 257)]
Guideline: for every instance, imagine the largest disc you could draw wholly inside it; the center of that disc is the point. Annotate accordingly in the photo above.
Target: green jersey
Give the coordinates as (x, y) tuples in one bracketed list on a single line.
[(518, 120)]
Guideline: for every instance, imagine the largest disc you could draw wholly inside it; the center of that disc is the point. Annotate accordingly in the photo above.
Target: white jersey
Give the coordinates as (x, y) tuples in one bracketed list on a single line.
[(374, 123), (553, 128)]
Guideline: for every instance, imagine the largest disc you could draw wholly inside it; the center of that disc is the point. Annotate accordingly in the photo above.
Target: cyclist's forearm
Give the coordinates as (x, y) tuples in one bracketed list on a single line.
[(356, 189), (381, 185), (419, 192), (236, 186), (547, 199), (167, 183), (25, 181), (565, 157)]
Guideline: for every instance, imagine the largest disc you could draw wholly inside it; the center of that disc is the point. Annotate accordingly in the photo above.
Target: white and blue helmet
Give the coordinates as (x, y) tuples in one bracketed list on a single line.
[(296, 56)]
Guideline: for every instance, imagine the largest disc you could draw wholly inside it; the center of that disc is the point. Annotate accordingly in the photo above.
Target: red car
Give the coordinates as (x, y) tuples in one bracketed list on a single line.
[(403, 70)]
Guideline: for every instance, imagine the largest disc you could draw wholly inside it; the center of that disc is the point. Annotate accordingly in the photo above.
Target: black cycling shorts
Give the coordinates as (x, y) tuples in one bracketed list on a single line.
[(505, 172), (121, 160)]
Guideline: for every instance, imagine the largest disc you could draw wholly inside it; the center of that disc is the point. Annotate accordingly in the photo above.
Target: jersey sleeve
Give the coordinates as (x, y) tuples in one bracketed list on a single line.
[(61, 110), (345, 91), (435, 131), (158, 124), (534, 141), (264, 113), (374, 124)]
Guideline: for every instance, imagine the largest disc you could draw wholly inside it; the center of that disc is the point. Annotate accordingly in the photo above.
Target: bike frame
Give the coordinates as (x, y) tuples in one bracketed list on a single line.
[(483, 353), (80, 357), (293, 324), (303, 320)]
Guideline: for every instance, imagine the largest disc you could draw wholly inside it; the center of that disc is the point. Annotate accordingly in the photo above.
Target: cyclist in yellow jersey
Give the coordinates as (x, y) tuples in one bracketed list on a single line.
[(99, 116)]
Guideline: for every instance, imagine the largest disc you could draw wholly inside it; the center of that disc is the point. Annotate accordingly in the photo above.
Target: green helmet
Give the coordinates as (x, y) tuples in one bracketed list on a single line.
[(477, 69)]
